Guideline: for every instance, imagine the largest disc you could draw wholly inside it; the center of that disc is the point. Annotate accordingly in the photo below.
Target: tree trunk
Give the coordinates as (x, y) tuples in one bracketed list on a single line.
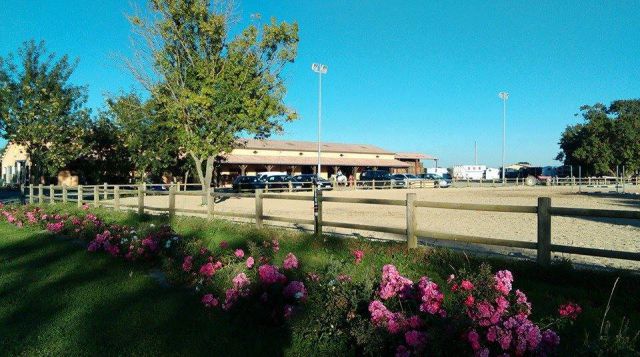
[(206, 176)]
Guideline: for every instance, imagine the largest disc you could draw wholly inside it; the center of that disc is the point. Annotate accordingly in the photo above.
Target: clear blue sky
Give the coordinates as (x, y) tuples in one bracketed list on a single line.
[(407, 76)]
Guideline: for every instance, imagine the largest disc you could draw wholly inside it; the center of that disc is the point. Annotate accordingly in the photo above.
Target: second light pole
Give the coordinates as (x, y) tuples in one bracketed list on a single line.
[(320, 69), (504, 96)]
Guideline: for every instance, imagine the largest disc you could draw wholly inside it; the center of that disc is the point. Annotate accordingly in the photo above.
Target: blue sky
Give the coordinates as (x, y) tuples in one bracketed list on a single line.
[(407, 76)]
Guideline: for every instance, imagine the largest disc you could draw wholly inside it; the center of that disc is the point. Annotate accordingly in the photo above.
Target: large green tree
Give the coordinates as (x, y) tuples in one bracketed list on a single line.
[(213, 85), (41, 110), (608, 138), (145, 134)]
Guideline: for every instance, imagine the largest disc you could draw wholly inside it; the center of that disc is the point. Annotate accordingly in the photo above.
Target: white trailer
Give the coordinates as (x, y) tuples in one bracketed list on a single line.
[(469, 172), (492, 174)]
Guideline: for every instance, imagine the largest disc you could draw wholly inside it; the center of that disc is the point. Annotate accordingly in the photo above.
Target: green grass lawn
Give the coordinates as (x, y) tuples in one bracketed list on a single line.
[(58, 299)]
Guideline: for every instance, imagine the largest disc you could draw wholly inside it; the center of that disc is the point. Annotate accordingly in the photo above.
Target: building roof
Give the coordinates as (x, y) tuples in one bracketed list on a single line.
[(413, 156), (290, 145), (329, 161)]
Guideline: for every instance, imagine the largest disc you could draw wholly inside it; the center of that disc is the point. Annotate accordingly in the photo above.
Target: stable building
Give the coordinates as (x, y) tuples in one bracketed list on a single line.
[(15, 166), (301, 157)]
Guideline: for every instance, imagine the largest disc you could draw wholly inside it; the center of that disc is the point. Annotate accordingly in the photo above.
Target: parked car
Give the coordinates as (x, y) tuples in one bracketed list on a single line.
[(381, 178), (247, 183), (406, 177), (439, 181), (155, 186), (306, 180), (281, 182)]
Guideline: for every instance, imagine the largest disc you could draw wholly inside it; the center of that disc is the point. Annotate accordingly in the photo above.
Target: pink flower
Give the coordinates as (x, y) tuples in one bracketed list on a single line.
[(224, 244), (358, 255), (250, 262), (415, 322), (275, 245), (240, 283), (548, 342), (466, 285), (415, 339), (150, 243), (187, 263), (239, 253), (469, 301), (393, 284), (55, 227), (503, 280), (290, 262), (380, 315), (231, 297), (474, 340), (570, 310), (269, 274), (209, 301), (430, 296), (209, 269), (295, 290)]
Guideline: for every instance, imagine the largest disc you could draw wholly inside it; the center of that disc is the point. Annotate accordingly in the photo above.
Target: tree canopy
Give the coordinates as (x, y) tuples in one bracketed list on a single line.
[(609, 137), (146, 136), (41, 109), (213, 86)]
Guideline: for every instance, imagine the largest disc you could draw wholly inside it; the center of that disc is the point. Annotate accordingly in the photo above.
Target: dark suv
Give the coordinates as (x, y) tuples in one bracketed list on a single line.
[(380, 177), (281, 183), (247, 183), (307, 181)]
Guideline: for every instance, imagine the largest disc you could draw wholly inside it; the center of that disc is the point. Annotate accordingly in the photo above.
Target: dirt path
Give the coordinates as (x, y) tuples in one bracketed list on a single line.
[(615, 234)]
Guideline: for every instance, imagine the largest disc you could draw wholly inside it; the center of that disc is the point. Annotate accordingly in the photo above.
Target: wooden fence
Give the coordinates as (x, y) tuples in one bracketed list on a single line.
[(111, 195)]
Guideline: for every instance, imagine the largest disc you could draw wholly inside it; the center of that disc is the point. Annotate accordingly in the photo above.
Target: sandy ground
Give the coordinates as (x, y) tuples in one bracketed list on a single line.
[(614, 234)]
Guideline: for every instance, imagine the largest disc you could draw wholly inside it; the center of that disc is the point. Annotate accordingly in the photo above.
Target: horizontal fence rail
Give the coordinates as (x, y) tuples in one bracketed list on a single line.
[(111, 195)]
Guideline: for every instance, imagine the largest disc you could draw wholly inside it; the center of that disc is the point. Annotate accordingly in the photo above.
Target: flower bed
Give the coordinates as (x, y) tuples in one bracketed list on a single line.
[(473, 313)]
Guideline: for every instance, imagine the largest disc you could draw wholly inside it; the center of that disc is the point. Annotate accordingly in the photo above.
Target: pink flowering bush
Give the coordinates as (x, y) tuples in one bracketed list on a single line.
[(383, 313), (484, 314)]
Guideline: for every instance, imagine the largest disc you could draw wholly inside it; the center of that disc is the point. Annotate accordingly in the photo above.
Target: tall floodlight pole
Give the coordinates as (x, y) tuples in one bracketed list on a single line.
[(504, 96), (320, 69)]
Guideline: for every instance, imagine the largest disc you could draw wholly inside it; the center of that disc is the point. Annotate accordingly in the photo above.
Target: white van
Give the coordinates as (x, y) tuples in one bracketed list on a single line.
[(437, 170), (263, 176)]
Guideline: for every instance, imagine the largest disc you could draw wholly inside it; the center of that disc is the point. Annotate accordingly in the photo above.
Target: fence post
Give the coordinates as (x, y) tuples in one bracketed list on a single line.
[(65, 194), (80, 196), (172, 201), (258, 208), (412, 240), (373, 184), (31, 198), (211, 203), (52, 198), (96, 196), (105, 194), (544, 231), (116, 197), (140, 199), (290, 186), (317, 230), (40, 194)]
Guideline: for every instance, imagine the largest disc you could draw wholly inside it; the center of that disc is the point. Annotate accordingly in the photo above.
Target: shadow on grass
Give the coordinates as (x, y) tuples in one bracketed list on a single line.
[(56, 298)]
